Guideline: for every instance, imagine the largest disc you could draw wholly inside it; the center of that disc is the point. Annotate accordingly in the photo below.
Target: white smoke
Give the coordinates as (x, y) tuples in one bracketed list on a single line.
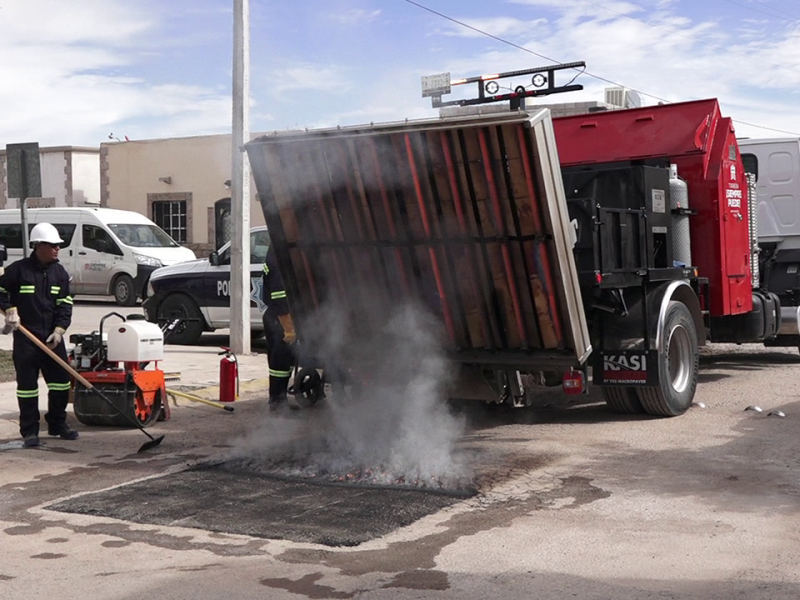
[(388, 424)]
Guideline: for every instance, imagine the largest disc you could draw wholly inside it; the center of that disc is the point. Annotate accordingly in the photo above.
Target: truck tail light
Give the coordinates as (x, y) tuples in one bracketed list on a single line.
[(573, 382)]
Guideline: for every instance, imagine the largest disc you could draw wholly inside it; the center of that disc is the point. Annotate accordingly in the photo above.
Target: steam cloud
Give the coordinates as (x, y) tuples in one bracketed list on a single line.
[(388, 425)]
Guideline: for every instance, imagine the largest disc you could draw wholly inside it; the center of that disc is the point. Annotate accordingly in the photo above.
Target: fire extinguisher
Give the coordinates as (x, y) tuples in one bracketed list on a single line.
[(228, 376)]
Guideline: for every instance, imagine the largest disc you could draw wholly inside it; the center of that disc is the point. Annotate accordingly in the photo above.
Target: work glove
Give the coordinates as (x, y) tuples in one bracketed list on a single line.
[(289, 334), (55, 338), (12, 321)]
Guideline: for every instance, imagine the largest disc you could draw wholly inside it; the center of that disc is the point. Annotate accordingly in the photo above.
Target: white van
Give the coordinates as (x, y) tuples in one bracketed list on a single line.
[(106, 251)]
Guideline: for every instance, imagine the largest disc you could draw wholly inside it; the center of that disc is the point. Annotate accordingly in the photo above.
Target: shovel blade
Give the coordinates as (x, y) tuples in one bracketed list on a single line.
[(151, 444)]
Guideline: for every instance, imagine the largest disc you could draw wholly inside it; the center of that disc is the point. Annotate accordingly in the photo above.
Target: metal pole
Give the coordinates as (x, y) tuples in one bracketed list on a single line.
[(240, 182)]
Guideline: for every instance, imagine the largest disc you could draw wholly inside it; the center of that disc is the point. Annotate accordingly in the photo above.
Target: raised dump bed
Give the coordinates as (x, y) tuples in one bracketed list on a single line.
[(466, 215)]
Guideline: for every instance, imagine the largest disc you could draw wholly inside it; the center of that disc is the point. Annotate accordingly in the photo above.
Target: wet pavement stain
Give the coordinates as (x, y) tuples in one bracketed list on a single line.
[(6, 577), (58, 540), (115, 544), (421, 553), (24, 529), (420, 580), (43, 447), (307, 587), (48, 555)]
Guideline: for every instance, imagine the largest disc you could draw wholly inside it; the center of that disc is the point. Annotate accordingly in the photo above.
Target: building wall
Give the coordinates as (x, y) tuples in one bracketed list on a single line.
[(70, 177), (137, 174)]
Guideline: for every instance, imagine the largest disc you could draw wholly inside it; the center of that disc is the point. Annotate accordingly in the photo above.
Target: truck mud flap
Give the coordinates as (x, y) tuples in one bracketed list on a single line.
[(626, 368)]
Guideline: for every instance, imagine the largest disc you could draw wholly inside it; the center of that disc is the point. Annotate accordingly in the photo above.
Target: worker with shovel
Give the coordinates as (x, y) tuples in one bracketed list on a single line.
[(35, 291), (279, 332)]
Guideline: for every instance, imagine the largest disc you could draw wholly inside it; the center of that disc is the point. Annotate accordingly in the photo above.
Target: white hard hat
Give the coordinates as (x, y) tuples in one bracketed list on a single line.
[(45, 232)]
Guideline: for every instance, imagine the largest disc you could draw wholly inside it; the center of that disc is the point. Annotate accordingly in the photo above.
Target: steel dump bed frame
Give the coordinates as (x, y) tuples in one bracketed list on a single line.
[(466, 215)]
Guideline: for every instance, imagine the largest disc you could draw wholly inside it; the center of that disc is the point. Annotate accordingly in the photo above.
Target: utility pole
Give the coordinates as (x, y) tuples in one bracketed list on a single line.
[(240, 182)]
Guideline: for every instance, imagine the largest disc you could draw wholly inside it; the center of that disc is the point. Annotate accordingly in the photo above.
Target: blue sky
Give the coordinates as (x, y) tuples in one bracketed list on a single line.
[(74, 72)]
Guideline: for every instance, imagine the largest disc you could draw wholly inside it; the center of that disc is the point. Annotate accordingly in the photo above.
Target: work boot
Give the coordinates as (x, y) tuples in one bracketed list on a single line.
[(31, 441), (278, 403), (63, 431)]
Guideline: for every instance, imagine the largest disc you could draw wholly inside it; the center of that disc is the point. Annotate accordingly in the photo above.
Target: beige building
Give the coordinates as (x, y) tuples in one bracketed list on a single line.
[(70, 177), (182, 184)]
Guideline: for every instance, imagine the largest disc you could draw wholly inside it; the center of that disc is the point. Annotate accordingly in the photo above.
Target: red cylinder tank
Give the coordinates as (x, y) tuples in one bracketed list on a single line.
[(228, 376)]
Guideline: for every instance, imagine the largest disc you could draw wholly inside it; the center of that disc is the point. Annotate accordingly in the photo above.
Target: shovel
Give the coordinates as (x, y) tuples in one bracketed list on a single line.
[(147, 445)]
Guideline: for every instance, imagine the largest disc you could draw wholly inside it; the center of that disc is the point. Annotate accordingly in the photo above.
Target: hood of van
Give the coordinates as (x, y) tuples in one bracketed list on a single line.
[(167, 256)]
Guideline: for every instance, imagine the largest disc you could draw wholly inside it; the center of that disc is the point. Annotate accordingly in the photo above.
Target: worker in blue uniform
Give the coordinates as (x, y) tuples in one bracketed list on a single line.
[(34, 292), (279, 331)]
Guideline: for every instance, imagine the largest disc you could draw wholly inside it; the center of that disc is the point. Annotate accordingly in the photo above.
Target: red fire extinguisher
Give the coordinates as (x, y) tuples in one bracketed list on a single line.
[(228, 376)]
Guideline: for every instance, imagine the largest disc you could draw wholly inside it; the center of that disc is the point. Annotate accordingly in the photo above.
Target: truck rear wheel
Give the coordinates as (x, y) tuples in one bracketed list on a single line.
[(677, 365), (623, 400)]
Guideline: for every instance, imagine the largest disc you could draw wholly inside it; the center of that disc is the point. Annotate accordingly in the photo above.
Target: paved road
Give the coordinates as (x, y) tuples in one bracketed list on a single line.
[(574, 502)]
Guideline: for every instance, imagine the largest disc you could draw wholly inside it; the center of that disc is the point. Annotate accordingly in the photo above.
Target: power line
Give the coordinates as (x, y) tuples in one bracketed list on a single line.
[(524, 49), (763, 12), (552, 60)]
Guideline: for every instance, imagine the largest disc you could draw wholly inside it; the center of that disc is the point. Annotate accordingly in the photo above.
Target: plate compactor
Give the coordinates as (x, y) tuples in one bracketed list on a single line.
[(117, 364)]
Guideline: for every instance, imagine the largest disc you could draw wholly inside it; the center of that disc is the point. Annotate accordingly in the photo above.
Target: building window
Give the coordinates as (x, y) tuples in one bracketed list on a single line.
[(170, 215)]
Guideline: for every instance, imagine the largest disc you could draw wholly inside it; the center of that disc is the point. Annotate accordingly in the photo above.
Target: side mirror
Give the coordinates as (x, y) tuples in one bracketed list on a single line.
[(213, 258)]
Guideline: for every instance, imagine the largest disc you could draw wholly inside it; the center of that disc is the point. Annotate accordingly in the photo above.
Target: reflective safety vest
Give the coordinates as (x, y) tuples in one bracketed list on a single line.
[(40, 294)]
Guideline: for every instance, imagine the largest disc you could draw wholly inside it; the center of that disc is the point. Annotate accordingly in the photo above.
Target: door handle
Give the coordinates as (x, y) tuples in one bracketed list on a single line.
[(82, 253)]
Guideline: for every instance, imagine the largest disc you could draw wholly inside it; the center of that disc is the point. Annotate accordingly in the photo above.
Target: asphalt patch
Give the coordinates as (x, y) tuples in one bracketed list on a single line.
[(228, 499)]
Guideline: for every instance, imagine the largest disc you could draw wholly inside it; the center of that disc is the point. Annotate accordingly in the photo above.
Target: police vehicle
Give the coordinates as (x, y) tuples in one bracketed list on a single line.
[(198, 292)]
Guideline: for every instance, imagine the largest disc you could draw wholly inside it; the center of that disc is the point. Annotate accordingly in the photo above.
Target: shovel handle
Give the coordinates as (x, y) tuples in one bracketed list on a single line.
[(64, 364)]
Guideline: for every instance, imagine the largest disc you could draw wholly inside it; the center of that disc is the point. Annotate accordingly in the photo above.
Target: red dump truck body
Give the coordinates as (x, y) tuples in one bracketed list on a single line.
[(465, 215), (702, 143), (470, 217)]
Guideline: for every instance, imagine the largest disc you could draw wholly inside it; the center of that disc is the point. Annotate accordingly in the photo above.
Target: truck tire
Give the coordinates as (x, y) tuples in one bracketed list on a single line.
[(190, 328), (622, 400), (677, 366), (124, 292)]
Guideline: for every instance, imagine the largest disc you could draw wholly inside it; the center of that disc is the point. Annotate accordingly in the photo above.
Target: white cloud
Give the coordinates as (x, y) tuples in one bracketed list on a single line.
[(64, 66), (353, 17), (497, 26), (313, 77)]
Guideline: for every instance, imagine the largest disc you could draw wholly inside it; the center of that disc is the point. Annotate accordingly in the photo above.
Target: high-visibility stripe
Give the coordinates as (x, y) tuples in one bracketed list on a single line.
[(58, 387), (278, 295), (27, 393), (275, 373), (54, 289), (266, 269), (4, 290), (27, 289), (64, 300)]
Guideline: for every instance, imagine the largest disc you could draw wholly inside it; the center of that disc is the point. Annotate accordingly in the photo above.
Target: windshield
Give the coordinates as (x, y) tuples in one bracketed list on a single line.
[(143, 236)]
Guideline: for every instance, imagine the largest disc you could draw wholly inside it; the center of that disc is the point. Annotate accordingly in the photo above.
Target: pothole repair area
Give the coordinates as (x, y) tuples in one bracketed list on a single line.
[(231, 498)]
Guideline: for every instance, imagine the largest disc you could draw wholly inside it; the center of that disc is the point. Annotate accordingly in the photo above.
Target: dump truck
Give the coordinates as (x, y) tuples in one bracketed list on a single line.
[(604, 248)]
